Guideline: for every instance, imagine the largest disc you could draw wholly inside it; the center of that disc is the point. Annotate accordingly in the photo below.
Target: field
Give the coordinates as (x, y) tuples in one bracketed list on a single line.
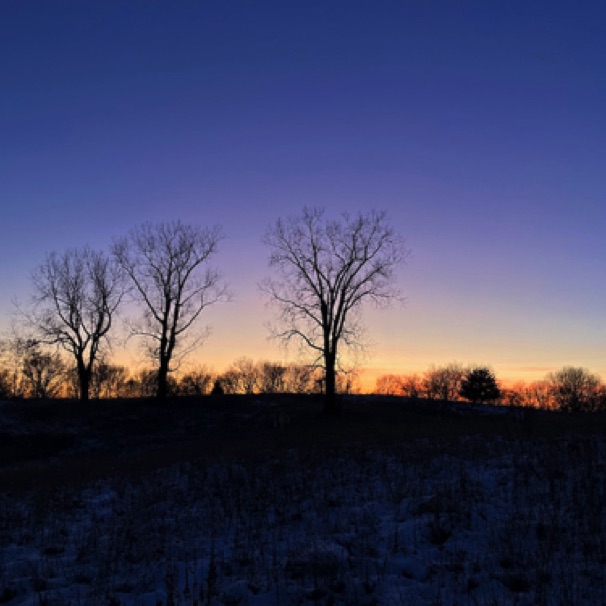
[(264, 501)]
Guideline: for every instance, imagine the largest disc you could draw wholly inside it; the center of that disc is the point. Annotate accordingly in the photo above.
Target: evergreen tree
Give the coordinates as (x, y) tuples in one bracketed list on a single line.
[(480, 386)]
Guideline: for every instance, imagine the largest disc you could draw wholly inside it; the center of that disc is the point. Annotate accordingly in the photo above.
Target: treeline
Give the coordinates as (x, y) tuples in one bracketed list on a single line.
[(570, 389), (322, 271), (30, 371)]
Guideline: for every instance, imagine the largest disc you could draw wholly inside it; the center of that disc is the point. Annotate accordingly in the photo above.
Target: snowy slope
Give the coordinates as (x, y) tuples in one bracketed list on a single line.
[(478, 522)]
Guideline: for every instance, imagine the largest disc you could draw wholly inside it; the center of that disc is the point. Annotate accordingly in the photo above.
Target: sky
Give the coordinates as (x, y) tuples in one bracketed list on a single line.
[(477, 126)]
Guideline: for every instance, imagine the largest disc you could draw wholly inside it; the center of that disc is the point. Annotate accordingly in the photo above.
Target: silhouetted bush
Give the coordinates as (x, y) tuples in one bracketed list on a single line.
[(217, 389)]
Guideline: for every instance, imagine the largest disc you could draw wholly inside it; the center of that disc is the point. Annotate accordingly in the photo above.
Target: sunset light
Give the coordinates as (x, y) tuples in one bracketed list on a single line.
[(302, 303)]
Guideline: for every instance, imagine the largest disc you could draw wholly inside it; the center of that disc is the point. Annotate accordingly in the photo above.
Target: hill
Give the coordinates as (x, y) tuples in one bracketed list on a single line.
[(262, 500), (57, 441)]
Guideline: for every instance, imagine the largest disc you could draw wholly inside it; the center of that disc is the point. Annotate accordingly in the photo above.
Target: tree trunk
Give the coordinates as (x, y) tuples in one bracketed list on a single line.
[(162, 391), (83, 381), (330, 394)]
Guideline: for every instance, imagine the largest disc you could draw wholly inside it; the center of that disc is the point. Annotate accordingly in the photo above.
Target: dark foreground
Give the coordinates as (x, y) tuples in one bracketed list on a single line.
[(45, 444), (263, 501)]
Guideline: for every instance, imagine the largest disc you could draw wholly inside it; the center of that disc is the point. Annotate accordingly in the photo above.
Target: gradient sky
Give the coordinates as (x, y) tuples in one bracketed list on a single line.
[(478, 126)]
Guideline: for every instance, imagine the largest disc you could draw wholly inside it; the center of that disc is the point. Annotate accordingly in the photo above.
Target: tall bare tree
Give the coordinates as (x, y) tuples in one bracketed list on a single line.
[(76, 296), (324, 271), (168, 265)]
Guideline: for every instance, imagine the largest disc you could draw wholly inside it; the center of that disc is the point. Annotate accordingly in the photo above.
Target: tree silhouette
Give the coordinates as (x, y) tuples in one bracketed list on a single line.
[(389, 385), (444, 382), (168, 264), (217, 389), (574, 388), (5, 384), (324, 271), (42, 372), (108, 380), (272, 377), (245, 374), (76, 296), (196, 382), (480, 386)]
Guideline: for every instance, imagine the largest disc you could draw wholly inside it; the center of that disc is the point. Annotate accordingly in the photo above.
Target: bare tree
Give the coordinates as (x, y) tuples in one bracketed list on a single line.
[(108, 380), (197, 382), (14, 350), (76, 296), (146, 384), (248, 374), (5, 384), (168, 264), (409, 386), (574, 389), (11, 369), (539, 394), (242, 377), (42, 372), (444, 382), (412, 385), (299, 379), (515, 395), (389, 385), (228, 383), (348, 381), (272, 377), (325, 270)]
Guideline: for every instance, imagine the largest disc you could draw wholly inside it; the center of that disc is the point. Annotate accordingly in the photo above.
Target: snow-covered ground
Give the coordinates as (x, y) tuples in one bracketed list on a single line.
[(480, 521)]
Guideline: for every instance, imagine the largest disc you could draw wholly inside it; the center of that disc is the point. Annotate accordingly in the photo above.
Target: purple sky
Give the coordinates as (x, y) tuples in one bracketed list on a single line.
[(478, 126)]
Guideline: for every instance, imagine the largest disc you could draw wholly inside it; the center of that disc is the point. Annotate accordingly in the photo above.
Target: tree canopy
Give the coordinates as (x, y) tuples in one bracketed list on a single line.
[(480, 386), (324, 270), (169, 267), (76, 297)]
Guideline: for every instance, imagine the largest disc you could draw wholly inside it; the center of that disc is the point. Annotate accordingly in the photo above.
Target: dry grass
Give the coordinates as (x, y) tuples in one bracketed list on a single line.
[(242, 500), (58, 442)]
